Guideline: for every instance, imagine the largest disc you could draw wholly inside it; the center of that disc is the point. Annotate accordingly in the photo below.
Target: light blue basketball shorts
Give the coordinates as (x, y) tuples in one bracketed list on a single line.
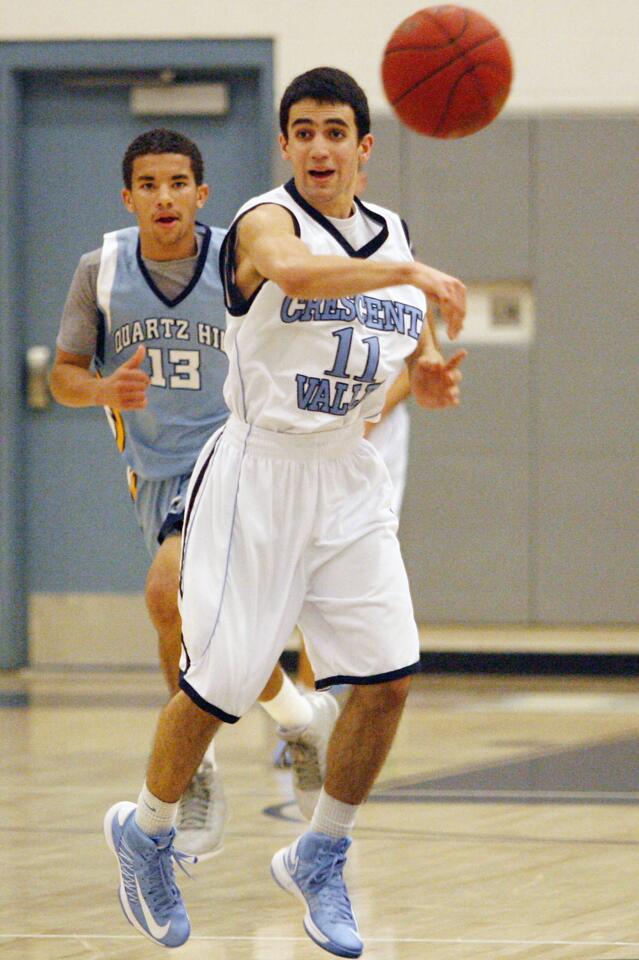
[(159, 507)]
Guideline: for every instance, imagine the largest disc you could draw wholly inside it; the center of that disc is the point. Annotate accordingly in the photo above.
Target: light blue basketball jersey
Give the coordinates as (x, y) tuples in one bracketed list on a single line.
[(184, 340)]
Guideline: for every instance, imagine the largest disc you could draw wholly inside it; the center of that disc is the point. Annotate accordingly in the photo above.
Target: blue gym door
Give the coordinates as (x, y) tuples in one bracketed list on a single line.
[(81, 534)]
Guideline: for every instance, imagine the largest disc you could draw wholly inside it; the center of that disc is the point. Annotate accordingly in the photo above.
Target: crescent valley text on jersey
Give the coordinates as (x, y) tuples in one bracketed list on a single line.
[(371, 312)]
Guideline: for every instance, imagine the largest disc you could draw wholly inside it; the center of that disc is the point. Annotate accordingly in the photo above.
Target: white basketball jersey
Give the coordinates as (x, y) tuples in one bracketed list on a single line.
[(301, 366)]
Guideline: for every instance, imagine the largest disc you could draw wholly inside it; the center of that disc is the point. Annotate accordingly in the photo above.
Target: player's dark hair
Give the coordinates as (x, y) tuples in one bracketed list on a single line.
[(162, 141), (326, 85)]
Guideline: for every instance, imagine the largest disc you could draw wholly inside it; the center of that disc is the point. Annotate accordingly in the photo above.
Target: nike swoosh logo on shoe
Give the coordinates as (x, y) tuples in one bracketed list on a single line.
[(291, 862), (154, 928)]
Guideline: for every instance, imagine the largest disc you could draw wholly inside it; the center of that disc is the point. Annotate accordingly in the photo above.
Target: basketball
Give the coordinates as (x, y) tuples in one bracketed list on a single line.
[(447, 71)]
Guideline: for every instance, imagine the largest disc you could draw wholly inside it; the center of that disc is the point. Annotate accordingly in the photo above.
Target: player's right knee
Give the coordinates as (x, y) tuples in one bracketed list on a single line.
[(161, 596)]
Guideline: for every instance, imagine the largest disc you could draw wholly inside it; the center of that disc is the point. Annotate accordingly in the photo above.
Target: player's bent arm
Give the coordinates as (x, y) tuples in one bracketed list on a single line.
[(400, 388), (434, 381), (73, 384), (269, 249), (398, 391), (430, 319), (427, 345)]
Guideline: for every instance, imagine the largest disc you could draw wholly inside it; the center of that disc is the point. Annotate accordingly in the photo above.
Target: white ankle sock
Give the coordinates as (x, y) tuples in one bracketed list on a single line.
[(154, 816), (333, 817), (289, 708)]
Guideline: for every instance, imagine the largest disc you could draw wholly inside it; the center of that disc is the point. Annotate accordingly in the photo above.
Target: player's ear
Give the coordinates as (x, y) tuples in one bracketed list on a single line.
[(127, 199), (283, 141), (364, 148), (203, 194)]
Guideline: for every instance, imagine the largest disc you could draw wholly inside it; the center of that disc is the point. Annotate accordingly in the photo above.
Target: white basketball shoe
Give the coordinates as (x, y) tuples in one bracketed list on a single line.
[(307, 748), (202, 812)]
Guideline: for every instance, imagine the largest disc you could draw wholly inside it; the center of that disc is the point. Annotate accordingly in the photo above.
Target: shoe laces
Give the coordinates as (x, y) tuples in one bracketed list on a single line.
[(305, 762), (196, 800), (326, 883), (155, 873)]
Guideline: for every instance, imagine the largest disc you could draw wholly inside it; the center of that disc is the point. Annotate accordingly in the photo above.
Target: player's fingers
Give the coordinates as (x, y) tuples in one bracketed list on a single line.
[(133, 403), (136, 377), (456, 359), (136, 359), (454, 325), (130, 395)]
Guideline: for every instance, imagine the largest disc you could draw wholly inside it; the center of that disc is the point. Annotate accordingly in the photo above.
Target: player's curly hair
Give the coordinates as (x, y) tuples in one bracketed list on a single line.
[(326, 85), (161, 141)]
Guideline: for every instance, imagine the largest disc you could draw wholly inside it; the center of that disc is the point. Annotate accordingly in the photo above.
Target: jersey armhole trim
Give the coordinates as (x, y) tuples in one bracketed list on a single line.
[(407, 234), (236, 304)]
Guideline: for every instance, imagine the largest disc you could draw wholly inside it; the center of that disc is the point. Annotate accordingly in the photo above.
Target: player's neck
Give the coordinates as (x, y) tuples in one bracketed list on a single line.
[(181, 250), (340, 208)]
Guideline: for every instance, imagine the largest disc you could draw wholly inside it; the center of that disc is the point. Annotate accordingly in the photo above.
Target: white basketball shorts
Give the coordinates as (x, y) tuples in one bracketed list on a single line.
[(391, 437), (286, 529)]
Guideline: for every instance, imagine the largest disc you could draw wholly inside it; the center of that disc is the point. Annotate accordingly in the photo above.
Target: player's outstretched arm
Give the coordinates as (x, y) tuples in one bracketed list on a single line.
[(448, 292), (74, 385), (269, 249)]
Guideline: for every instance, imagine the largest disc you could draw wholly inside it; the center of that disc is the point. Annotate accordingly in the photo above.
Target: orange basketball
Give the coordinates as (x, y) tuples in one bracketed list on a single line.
[(447, 71)]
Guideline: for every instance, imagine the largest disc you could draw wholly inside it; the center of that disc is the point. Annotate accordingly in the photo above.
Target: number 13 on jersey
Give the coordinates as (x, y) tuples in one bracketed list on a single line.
[(175, 369)]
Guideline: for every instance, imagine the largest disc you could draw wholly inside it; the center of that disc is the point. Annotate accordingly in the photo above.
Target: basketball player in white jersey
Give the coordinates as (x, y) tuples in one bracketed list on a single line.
[(147, 309), (390, 435), (288, 516)]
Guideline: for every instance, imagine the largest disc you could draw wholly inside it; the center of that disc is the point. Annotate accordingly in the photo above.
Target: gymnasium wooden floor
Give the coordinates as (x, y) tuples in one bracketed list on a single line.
[(505, 825)]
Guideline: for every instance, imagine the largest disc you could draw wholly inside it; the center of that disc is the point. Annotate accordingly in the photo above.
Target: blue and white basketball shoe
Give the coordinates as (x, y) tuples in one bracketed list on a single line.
[(149, 897), (311, 869)]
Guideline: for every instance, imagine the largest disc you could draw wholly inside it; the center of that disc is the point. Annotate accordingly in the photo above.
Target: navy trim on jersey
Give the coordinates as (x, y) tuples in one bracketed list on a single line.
[(406, 234), (199, 267), (235, 303), (364, 252), (363, 681), (203, 704), (100, 340)]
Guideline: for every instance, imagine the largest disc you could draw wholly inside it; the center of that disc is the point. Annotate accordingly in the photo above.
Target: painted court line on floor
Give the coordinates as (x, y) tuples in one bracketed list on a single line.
[(458, 941)]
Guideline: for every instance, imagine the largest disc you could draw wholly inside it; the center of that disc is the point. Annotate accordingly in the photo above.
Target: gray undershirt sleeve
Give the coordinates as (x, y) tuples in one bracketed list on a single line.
[(79, 324)]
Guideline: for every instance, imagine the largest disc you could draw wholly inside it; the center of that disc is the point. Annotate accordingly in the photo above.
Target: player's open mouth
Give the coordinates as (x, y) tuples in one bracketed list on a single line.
[(321, 174), (166, 221)]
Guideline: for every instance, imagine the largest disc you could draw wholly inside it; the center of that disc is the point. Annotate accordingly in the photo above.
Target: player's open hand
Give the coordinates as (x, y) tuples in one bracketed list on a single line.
[(126, 388), (450, 295), (435, 381)]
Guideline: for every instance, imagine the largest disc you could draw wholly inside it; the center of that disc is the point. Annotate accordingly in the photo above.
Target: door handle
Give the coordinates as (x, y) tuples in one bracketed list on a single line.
[(37, 364)]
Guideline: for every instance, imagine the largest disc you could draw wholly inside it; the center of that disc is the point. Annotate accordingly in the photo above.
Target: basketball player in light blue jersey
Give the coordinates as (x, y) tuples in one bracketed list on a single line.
[(146, 311), (288, 518)]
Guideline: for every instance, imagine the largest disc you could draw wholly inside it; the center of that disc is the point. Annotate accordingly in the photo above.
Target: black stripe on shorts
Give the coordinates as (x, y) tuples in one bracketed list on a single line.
[(203, 704), (363, 681)]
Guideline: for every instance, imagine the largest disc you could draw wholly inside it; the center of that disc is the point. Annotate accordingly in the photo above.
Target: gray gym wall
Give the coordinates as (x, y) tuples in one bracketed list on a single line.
[(521, 506)]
